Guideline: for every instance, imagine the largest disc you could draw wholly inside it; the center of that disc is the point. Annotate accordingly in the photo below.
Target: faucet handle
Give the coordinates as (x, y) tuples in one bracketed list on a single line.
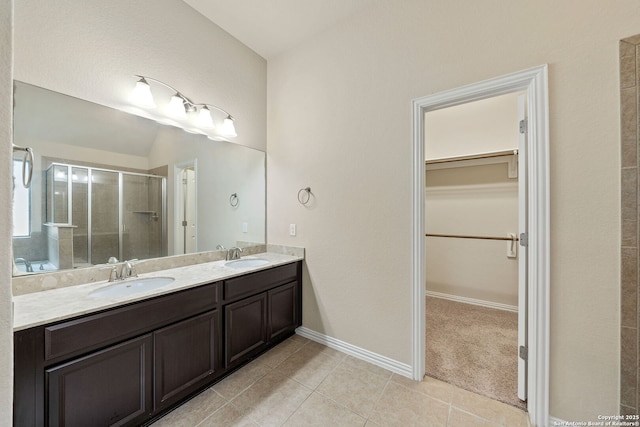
[(233, 253), (113, 275)]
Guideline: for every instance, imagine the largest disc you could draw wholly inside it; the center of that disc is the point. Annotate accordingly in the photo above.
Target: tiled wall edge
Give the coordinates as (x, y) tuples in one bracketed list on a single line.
[(357, 352)]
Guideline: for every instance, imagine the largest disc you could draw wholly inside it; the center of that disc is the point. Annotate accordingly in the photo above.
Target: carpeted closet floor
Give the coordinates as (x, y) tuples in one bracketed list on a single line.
[(474, 348)]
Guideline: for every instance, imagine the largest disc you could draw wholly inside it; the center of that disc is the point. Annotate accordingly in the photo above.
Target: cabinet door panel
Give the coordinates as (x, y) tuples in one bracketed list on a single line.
[(109, 388), (246, 327), (186, 355), (283, 310)]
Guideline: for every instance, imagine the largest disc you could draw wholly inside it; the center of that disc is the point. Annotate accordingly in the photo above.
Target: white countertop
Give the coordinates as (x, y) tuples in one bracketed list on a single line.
[(49, 306)]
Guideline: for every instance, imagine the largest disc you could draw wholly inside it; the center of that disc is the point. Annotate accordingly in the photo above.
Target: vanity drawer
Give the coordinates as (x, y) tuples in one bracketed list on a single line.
[(78, 336), (253, 283)]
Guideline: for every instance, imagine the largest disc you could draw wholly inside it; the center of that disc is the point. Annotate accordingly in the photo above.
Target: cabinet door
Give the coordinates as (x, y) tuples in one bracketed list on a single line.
[(245, 327), (109, 387), (186, 354), (283, 310)]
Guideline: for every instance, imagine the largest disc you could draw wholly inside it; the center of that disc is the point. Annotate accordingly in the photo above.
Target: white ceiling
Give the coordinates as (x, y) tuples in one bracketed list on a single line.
[(270, 27)]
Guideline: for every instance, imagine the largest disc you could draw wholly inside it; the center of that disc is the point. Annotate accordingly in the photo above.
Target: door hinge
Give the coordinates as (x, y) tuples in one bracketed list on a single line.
[(524, 239), (523, 126), (523, 352), (184, 223)]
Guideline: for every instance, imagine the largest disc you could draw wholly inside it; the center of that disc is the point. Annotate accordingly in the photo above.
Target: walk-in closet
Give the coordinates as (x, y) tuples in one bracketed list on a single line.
[(472, 246)]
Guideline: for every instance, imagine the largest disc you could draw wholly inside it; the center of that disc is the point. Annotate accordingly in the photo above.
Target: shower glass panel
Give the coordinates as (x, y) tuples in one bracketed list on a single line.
[(58, 192), (80, 210), (142, 228), (111, 214), (105, 216)]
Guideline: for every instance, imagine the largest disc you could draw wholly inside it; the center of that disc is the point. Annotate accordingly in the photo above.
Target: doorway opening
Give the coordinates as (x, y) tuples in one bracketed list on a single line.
[(535, 169), (185, 230), (472, 205)]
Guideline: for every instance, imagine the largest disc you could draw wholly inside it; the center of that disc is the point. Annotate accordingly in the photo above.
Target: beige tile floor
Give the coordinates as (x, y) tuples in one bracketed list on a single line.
[(303, 383)]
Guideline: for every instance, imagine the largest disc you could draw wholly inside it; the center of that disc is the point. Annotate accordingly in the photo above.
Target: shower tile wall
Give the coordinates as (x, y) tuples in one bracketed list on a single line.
[(142, 237), (630, 316)]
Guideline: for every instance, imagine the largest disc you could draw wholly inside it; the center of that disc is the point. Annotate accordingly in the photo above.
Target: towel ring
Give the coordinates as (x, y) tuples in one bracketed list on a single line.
[(28, 158), (234, 200), (301, 195)]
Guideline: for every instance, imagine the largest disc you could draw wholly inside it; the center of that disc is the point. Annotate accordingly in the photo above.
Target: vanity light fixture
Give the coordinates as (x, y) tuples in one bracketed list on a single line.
[(142, 94), (228, 129), (176, 107), (182, 108), (204, 118)]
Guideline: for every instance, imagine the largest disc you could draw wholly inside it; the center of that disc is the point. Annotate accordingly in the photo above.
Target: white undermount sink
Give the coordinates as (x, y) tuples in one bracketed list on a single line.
[(246, 263), (131, 286)]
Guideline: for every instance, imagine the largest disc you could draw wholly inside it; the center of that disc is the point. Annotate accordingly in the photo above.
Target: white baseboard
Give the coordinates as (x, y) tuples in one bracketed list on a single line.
[(357, 352), (482, 303)]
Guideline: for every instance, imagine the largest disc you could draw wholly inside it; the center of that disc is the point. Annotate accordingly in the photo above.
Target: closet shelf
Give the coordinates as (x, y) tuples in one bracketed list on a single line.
[(505, 156), (473, 157)]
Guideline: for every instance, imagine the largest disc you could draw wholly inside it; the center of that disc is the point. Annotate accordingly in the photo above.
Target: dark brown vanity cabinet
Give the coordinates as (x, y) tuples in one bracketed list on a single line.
[(267, 308), (127, 365)]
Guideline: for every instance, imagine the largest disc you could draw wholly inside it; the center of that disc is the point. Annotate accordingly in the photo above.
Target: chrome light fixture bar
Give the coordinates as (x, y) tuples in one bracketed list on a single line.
[(180, 106)]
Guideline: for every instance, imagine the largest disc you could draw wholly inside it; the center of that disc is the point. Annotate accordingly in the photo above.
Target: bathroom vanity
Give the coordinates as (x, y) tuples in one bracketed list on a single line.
[(135, 360)]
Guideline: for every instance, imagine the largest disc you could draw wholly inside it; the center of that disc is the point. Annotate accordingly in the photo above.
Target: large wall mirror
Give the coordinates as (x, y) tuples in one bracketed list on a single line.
[(108, 184)]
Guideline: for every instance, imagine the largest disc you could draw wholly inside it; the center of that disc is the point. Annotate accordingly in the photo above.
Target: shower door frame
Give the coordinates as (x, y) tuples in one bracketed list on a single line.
[(90, 170)]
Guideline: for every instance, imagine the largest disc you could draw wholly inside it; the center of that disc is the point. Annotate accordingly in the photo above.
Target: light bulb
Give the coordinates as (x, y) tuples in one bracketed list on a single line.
[(204, 118), (228, 129), (141, 94), (175, 107)]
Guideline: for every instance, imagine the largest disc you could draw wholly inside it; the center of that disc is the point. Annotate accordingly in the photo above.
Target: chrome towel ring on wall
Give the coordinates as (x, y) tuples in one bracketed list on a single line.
[(28, 158), (304, 195), (234, 200)]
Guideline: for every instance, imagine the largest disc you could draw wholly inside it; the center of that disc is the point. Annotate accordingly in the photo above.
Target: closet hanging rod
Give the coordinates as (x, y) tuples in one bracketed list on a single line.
[(473, 157), (460, 236)]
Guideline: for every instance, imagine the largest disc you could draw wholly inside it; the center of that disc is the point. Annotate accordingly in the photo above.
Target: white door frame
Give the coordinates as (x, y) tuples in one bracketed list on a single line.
[(535, 82), (177, 208)]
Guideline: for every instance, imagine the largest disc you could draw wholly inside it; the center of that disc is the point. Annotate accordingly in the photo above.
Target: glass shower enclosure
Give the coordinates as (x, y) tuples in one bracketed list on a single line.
[(105, 213)]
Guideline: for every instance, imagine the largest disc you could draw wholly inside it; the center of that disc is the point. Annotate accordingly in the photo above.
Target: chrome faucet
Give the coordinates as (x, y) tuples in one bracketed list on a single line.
[(233, 253), (27, 264), (128, 269)]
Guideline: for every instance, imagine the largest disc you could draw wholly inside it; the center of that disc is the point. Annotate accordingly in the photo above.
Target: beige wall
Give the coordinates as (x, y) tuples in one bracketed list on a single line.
[(472, 201), (6, 329), (476, 127), (339, 121)]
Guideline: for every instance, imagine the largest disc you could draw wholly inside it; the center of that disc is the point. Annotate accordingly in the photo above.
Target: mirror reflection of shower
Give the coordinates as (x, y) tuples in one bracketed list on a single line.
[(186, 226), (93, 214)]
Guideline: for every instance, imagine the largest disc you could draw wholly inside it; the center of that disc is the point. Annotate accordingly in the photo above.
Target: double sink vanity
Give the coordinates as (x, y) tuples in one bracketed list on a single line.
[(126, 352)]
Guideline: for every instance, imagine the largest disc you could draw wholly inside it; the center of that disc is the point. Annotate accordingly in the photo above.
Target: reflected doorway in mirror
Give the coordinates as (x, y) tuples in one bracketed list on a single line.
[(186, 208)]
